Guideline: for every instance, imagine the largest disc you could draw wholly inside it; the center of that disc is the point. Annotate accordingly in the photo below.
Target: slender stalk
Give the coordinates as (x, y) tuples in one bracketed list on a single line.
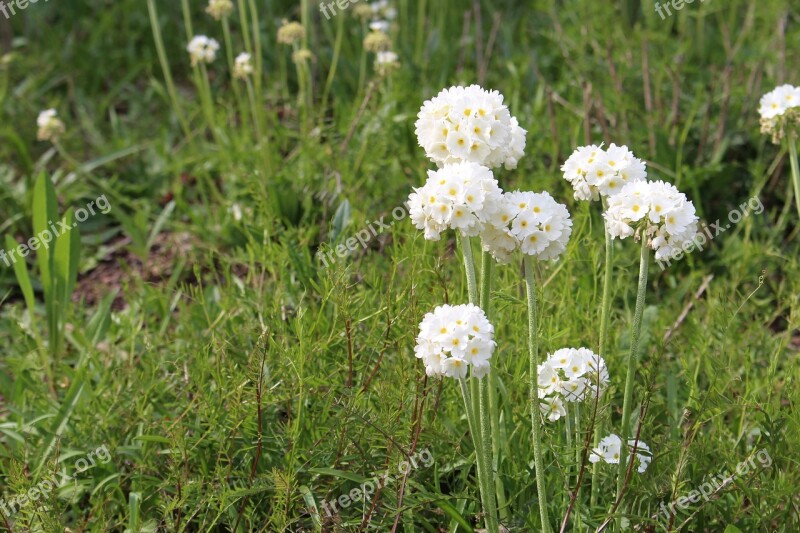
[(636, 330), (604, 320), (533, 398), (226, 33), (792, 138), (162, 58), (187, 19), (484, 483), (469, 268), (337, 48), (487, 262)]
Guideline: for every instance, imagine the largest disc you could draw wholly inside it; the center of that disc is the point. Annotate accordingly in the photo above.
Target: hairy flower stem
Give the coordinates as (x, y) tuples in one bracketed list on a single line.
[(604, 319), (491, 435), (476, 403), (636, 330), (792, 138), (484, 483), (533, 392)]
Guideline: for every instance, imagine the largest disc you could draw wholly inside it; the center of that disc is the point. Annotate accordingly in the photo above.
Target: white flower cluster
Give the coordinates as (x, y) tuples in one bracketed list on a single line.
[(50, 126), (610, 449), (665, 215), (219, 8), (531, 222), (470, 124), (780, 108), (454, 337), (202, 49), (595, 172), (571, 375), (243, 66), (461, 196)]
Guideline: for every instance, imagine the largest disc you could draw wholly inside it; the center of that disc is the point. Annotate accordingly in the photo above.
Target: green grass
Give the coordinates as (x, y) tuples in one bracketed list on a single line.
[(238, 382)]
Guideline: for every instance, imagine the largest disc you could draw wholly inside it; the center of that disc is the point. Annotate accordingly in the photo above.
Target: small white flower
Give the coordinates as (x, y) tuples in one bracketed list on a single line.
[(594, 172), (50, 126), (660, 212), (470, 124), (461, 196), (610, 449), (552, 408), (243, 66), (454, 338), (533, 223), (219, 8), (202, 49), (385, 62)]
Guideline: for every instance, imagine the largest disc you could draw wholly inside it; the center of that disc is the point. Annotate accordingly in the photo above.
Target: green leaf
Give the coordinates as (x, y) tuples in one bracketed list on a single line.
[(340, 220), (454, 515), (732, 529), (23, 279), (65, 261), (339, 473), (44, 212)]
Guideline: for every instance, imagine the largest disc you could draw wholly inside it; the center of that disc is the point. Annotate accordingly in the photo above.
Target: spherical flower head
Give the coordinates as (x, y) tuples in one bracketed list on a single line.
[(50, 126), (454, 339), (461, 196), (386, 62), (302, 55), (202, 49), (377, 41), (219, 8), (243, 66), (654, 210), (594, 172), (780, 110), (609, 450), (291, 33), (469, 124), (382, 8), (533, 223)]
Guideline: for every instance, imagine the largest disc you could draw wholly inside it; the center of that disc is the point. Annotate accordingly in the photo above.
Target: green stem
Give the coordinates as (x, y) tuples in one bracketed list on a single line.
[(469, 267), (604, 320), (474, 431), (337, 48), (533, 391), (162, 58), (636, 330), (187, 19), (795, 169), (226, 33), (487, 262)]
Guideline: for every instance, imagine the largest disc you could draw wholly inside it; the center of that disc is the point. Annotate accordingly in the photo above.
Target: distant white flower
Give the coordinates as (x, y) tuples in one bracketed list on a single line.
[(533, 223), (571, 375), (291, 32), (50, 126), (594, 172), (243, 67), (386, 62), (610, 449), (454, 338), (379, 25), (470, 124), (780, 108), (202, 49), (219, 8), (662, 213), (461, 196)]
